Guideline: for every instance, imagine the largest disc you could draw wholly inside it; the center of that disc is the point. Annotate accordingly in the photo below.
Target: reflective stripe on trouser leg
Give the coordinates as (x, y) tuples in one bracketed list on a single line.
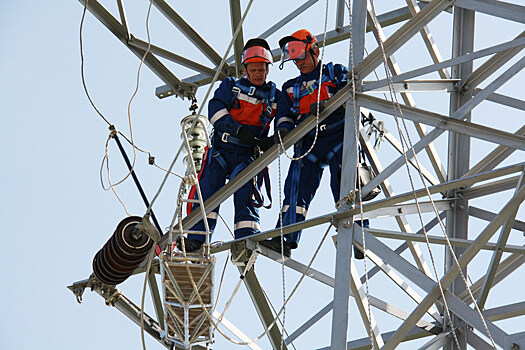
[(247, 224)]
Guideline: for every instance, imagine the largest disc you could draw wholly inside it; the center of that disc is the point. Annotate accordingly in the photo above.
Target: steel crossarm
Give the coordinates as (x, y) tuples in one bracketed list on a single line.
[(456, 242), (183, 61), (189, 32), (491, 65), (499, 9), (401, 36), (489, 216), (495, 157), (500, 48), (454, 271), (504, 100), (505, 312), (121, 32), (444, 122), (364, 343), (329, 281)]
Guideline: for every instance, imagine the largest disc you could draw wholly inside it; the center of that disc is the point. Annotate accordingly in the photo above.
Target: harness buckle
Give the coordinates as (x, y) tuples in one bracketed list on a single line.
[(269, 110), (236, 89), (310, 89), (322, 127), (252, 90), (224, 137)]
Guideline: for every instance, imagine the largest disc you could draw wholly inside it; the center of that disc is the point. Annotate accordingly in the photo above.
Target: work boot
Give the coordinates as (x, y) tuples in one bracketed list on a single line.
[(191, 245), (275, 245)]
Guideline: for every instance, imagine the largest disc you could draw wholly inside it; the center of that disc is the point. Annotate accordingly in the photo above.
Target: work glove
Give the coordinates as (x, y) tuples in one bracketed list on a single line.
[(265, 143), (283, 133), (313, 107), (247, 137)]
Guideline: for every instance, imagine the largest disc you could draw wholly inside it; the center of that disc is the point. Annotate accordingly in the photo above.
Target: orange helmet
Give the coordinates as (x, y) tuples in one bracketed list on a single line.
[(295, 46), (256, 50)]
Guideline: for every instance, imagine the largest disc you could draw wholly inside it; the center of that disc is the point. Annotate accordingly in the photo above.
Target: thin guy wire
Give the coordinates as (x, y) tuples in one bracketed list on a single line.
[(394, 97)]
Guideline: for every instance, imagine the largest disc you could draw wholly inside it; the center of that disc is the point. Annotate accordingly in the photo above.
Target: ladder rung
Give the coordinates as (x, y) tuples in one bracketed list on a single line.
[(195, 232), (191, 200)]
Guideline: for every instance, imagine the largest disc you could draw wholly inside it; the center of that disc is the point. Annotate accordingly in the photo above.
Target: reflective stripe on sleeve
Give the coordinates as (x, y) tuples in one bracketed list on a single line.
[(284, 120), (218, 115)]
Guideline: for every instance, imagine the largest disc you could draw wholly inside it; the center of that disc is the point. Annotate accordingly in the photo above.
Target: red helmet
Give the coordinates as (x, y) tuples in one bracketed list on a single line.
[(295, 46), (256, 50)]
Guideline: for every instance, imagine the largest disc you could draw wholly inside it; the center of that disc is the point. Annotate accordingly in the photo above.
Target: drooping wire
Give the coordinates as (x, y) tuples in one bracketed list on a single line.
[(82, 65)]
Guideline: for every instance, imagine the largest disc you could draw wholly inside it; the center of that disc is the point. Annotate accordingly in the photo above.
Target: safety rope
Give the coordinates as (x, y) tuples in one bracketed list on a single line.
[(318, 97), (280, 151), (397, 108)]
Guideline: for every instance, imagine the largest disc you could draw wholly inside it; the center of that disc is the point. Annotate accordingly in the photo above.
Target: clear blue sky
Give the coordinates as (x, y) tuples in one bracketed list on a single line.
[(56, 215)]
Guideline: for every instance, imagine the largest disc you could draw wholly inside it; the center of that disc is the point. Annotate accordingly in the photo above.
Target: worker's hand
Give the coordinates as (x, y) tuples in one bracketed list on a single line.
[(247, 137), (313, 107), (265, 143), (283, 133)]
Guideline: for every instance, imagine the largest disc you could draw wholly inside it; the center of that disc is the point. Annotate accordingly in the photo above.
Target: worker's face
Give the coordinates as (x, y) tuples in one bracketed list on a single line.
[(308, 64), (256, 72)]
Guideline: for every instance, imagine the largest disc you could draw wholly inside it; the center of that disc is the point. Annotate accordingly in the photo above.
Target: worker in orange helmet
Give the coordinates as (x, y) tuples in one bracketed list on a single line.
[(240, 111), (301, 98)]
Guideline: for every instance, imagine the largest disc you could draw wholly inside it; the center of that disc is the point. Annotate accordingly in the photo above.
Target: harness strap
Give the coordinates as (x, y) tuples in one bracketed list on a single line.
[(323, 162), (268, 97), (227, 138), (328, 75)]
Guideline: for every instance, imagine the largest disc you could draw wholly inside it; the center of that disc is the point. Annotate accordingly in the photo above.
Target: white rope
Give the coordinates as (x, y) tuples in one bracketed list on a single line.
[(318, 97), (397, 107)]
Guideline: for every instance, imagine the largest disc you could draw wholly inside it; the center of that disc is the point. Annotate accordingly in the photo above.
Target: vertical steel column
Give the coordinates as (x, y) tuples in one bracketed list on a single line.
[(459, 157), (235, 14), (348, 171)]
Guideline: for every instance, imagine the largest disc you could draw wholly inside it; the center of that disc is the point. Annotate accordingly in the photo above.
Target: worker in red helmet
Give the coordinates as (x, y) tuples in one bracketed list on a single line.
[(240, 111), (301, 96)]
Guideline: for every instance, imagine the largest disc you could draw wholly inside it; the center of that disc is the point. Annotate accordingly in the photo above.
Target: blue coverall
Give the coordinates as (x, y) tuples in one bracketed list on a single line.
[(228, 111), (304, 176)]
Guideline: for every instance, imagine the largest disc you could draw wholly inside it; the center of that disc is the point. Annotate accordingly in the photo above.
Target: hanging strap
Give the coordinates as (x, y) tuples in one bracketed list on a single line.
[(263, 178)]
